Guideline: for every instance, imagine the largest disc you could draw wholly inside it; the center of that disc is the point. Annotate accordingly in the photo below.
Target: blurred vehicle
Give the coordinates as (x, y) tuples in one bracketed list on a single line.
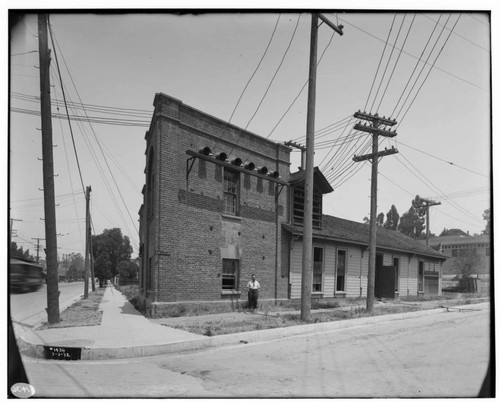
[(25, 275)]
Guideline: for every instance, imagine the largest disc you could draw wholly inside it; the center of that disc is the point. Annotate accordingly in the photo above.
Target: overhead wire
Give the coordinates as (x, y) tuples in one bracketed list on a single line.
[(416, 66), (105, 159), (379, 63), (433, 187), (428, 72), (411, 55), (388, 59), (270, 82), (251, 77), (397, 60), (300, 91)]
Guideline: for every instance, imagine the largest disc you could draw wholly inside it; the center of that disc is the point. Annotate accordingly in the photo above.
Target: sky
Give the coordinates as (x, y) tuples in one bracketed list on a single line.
[(429, 70)]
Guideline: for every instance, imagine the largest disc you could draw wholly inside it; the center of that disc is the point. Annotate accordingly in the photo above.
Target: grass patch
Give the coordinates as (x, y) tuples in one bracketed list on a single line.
[(221, 324), (82, 313)]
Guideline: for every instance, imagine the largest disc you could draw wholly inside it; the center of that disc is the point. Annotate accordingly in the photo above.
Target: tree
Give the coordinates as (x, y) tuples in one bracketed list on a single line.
[(468, 263), (412, 223), (19, 252), (366, 220), (487, 218), (109, 249), (380, 219), (128, 269), (392, 219), (76, 267)]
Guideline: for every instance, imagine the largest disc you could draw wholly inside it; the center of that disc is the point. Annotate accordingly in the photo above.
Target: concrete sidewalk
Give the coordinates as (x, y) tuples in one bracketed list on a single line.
[(126, 333)]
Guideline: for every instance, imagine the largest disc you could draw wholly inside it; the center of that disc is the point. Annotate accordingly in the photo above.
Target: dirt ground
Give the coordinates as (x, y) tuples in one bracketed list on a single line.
[(226, 323), (84, 312)]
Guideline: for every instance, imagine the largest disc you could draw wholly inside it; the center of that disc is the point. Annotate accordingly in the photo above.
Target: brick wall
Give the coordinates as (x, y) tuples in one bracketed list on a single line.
[(187, 232)]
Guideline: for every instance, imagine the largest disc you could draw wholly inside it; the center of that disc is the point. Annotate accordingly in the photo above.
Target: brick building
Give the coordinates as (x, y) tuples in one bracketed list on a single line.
[(208, 224), (220, 204)]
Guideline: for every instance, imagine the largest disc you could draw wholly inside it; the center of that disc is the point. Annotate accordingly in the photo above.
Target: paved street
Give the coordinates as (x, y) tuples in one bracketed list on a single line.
[(439, 355), (28, 309)]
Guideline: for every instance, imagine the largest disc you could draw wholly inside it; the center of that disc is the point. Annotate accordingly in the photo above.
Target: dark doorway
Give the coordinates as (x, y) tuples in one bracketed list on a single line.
[(385, 283)]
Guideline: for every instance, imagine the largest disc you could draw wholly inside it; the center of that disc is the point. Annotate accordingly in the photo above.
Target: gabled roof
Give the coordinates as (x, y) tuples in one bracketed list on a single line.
[(345, 231), (320, 181)]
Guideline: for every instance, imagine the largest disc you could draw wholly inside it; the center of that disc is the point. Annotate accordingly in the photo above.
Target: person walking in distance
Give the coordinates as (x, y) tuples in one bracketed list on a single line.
[(253, 287)]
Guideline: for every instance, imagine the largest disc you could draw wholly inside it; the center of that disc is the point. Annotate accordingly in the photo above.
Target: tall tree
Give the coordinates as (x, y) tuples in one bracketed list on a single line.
[(468, 263), (412, 223), (76, 267), (487, 218), (109, 249), (19, 252), (380, 219), (392, 219)]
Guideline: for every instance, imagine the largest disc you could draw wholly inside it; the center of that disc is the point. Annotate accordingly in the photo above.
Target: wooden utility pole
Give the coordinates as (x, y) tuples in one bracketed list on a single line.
[(11, 229), (374, 129), (307, 240), (48, 174), (426, 203), (87, 240), (91, 252), (37, 247)]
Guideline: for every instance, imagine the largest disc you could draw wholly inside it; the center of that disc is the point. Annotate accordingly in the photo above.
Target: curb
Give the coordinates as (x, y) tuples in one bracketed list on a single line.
[(38, 350)]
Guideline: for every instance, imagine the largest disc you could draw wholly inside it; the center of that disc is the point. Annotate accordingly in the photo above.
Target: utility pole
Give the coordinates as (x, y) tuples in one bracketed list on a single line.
[(48, 174), (307, 239), (87, 232), (426, 203), (10, 231), (376, 131), (37, 247), (91, 252)]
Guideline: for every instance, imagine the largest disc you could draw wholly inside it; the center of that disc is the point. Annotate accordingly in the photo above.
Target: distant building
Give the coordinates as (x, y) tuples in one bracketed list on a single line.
[(451, 246), (220, 204)]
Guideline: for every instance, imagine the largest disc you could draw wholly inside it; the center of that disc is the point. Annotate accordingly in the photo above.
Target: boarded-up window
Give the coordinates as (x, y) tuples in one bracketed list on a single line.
[(317, 282), (341, 268)]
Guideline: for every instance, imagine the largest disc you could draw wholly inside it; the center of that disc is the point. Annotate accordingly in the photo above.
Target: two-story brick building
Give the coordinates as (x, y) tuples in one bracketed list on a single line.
[(220, 204)]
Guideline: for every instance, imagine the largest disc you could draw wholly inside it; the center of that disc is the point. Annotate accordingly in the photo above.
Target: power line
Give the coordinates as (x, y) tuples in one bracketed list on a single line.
[(397, 60), (443, 160), (380, 61), (251, 77), (430, 69), (272, 80), (409, 54)]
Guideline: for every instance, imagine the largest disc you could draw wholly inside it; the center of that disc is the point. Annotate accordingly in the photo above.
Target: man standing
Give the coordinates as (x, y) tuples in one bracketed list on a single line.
[(253, 293)]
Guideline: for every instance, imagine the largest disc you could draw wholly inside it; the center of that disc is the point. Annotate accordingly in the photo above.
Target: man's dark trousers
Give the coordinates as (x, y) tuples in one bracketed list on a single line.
[(253, 295)]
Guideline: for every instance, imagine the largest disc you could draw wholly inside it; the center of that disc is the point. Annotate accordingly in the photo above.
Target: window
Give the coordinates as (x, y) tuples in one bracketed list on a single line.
[(230, 274), (396, 273), (317, 282), (231, 202), (454, 253), (341, 266)]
